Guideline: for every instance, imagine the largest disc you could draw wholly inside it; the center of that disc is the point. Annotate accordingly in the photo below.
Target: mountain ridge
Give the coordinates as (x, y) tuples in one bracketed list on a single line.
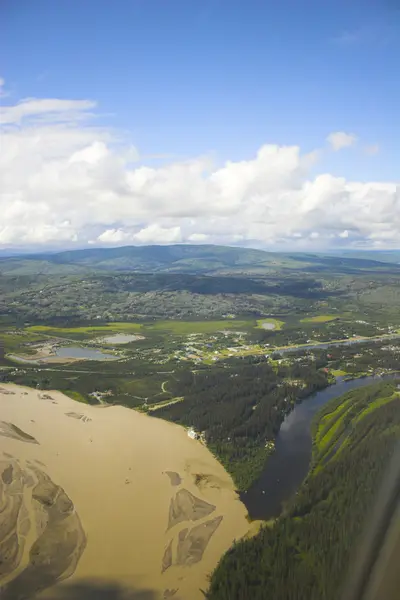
[(183, 258)]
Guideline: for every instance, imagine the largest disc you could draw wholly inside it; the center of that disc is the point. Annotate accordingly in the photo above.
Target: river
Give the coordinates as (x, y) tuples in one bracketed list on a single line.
[(287, 467), (83, 353), (116, 498)]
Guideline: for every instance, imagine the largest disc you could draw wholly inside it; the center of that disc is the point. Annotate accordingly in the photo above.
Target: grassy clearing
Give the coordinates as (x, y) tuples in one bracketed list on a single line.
[(276, 322), (324, 442), (339, 373), (319, 319), (171, 326), (93, 330), (13, 342), (376, 404), (186, 327), (16, 343), (154, 407), (75, 396), (329, 425), (145, 387), (327, 418)]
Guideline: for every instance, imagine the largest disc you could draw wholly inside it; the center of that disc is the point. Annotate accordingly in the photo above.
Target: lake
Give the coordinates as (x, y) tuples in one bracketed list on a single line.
[(83, 353), (288, 466), (268, 325)]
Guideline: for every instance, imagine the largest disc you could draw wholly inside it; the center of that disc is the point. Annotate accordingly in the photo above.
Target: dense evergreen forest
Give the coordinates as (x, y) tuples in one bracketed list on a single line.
[(306, 553), (240, 406)]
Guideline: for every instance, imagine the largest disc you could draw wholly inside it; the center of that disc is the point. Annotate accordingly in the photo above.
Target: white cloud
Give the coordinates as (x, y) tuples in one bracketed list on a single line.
[(113, 236), (198, 237), (67, 182), (51, 109), (340, 139), (154, 234)]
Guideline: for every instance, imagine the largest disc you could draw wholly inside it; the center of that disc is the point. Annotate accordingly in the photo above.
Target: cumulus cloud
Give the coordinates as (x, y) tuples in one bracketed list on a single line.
[(67, 182), (156, 234), (112, 236), (340, 139), (198, 238)]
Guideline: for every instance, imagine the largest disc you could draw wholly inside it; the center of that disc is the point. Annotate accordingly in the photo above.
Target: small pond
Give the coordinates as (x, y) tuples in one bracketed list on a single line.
[(268, 325)]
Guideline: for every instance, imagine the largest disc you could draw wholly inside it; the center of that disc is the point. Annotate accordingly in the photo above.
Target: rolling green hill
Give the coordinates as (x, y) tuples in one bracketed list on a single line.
[(205, 259), (388, 256)]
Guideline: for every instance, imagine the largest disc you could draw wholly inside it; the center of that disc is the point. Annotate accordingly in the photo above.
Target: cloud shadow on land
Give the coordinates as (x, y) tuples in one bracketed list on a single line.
[(90, 590)]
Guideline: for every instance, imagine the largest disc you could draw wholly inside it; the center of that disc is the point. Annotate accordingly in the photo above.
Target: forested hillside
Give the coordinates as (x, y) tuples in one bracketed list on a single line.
[(306, 554), (64, 299), (240, 407), (185, 258)]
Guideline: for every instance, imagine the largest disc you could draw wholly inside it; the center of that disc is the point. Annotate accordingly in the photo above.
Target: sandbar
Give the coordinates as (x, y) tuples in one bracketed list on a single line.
[(95, 499)]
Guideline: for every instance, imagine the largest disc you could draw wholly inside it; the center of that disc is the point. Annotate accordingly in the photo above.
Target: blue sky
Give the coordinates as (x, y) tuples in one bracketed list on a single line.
[(220, 78)]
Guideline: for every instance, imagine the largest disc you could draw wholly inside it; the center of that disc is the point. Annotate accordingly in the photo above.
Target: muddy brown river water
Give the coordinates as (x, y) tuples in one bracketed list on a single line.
[(104, 498)]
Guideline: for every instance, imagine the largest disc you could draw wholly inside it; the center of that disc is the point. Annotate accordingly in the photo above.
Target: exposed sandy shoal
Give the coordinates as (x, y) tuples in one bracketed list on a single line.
[(107, 495)]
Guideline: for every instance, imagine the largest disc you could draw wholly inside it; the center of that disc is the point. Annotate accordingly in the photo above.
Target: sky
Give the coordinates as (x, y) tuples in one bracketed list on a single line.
[(254, 123)]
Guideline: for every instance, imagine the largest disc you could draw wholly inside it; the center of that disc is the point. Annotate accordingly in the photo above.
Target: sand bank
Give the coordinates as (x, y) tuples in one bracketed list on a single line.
[(104, 498)]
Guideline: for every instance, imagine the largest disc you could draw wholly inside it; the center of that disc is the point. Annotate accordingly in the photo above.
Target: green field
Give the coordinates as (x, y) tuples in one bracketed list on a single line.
[(93, 330), (186, 327), (319, 319), (13, 341), (329, 425), (75, 396), (377, 404), (171, 326), (325, 441), (18, 342)]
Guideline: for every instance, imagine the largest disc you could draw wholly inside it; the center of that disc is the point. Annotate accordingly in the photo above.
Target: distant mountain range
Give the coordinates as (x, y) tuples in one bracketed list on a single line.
[(205, 259), (390, 256)]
